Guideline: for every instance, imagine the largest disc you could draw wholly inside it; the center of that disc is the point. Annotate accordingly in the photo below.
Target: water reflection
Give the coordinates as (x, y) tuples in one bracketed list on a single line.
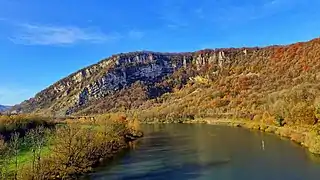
[(210, 152), (184, 171)]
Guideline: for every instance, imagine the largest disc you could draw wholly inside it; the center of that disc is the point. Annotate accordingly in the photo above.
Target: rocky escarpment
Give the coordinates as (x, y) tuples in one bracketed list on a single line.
[(114, 74), (129, 79)]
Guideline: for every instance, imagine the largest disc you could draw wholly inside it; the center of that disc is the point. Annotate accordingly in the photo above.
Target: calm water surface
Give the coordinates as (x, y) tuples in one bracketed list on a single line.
[(182, 151)]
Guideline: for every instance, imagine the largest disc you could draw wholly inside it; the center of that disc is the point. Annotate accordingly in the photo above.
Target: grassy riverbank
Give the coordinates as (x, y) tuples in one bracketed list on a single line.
[(305, 135), (69, 149)]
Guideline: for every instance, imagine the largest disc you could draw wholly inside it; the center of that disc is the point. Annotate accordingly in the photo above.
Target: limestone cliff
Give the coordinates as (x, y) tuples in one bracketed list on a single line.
[(127, 80), (111, 75)]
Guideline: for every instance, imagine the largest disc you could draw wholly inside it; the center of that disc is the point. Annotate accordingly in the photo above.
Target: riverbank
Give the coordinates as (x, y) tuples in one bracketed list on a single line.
[(305, 135), (67, 151), (201, 151)]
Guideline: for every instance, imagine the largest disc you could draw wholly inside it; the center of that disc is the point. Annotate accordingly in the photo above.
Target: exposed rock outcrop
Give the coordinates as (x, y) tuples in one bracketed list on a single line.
[(153, 74), (118, 72)]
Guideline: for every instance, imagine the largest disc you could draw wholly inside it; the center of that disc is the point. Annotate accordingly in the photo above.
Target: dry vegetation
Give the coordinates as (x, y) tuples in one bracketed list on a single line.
[(10, 124), (67, 151), (275, 89), (276, 86)]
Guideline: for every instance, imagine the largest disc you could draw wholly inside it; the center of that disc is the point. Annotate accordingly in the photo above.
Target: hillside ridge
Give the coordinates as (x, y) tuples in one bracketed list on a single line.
[(153, 73), (4, 108)]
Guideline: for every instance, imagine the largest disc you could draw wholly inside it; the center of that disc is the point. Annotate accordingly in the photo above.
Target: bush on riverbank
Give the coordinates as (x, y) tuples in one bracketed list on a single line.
[(72, 149), (313, 142), (76, 149), (10, 124)]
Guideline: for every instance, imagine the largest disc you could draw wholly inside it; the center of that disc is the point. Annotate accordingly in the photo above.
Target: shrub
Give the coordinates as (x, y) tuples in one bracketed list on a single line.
[(79, 146), (317, 112), (4, 159), (303, 113), (312, 140), (279, 121), (10, 124)]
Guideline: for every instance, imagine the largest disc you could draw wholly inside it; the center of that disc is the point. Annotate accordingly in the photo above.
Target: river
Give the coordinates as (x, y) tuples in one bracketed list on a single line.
[(200, 151)]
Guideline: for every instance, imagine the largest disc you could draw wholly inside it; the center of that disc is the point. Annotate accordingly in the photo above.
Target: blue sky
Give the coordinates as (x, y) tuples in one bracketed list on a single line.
[(42, 41)]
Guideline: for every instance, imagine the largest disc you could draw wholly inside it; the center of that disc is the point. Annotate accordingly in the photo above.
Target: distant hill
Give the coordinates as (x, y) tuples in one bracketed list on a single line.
[(4, 108), (275, 82)]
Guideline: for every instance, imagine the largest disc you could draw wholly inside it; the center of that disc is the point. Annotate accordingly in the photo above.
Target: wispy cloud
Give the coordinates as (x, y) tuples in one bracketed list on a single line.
[(172, 13), (177, 14), (200, 13), (272, 7), (135, 34), (33, 34), (253, 11), (174, 21)]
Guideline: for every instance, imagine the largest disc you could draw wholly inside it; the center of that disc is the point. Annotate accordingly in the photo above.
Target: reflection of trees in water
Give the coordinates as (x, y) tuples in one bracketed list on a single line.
[(209, 144), (152, 128), (175, 151), (313, 157), (193, 151), (183, 151), (170, 151)]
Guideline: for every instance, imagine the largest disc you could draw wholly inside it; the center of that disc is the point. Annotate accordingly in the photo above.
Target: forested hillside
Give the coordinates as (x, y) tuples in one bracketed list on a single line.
[(276, 83)]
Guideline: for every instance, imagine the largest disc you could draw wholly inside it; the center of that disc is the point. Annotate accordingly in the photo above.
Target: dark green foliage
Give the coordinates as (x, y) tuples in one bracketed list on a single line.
[(279, 120)]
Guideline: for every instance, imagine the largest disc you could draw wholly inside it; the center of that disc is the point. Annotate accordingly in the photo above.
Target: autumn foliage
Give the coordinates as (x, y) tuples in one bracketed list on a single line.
[(69, 150), (282, 81)]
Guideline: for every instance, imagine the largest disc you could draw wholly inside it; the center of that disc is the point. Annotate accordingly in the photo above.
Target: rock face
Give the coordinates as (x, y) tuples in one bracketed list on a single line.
[(112, 75), (148, 68), (125, 80)]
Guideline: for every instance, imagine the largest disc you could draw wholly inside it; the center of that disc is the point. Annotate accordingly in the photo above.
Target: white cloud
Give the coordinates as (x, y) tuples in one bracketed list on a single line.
[(31, 34), (173, 14), (199, 13), (135, 34), (275, 3), (253, 11)]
